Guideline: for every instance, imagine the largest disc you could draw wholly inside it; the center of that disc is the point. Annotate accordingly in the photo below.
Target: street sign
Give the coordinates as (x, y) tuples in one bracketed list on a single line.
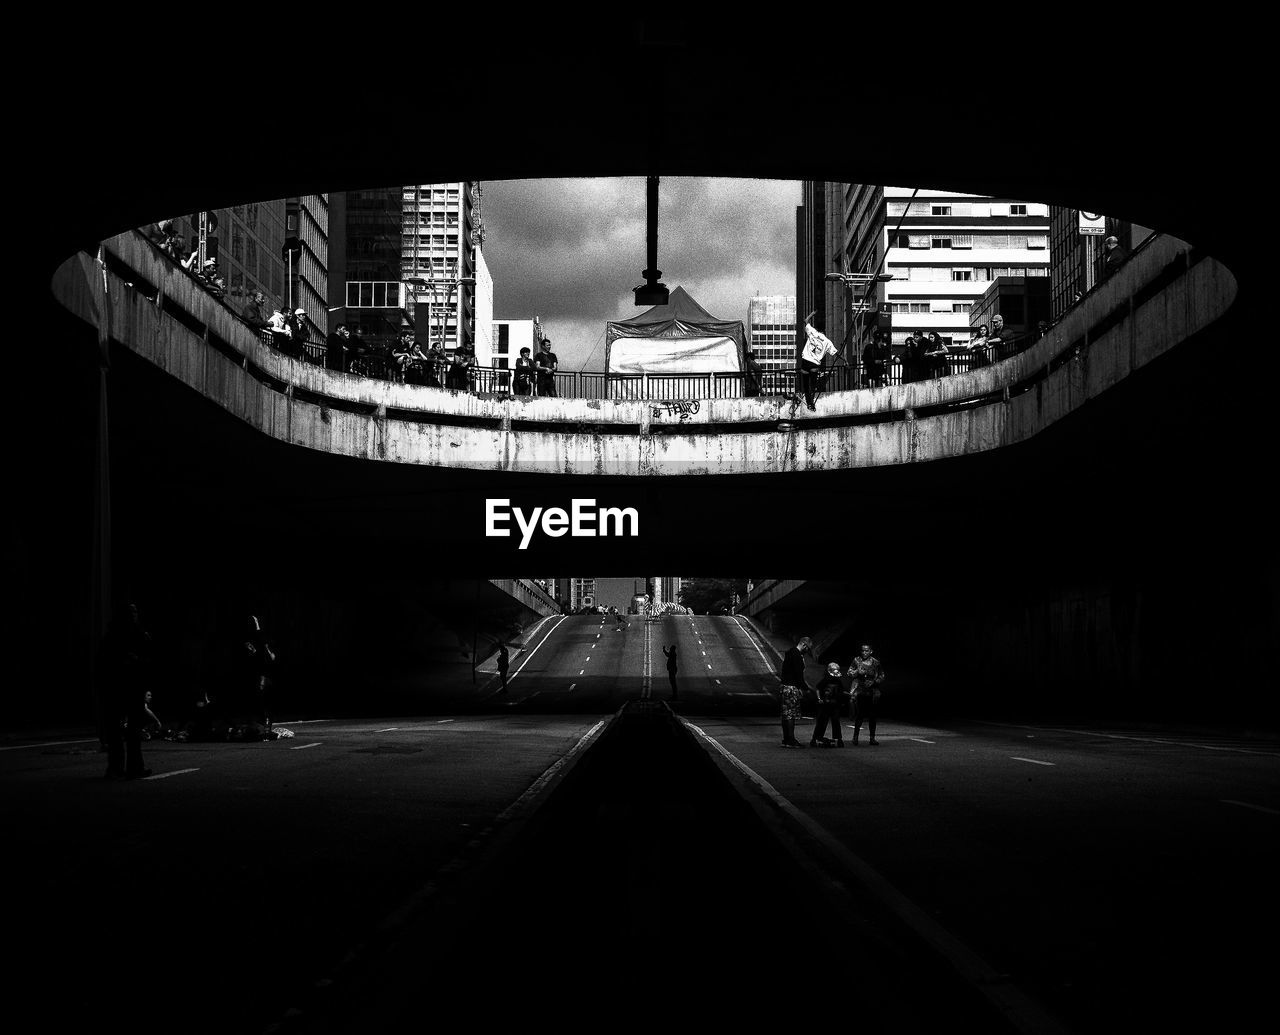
[(1092, 223)]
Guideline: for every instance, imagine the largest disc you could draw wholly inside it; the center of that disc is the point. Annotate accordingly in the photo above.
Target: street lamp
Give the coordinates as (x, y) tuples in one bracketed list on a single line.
[(859, 308), (448, 286)]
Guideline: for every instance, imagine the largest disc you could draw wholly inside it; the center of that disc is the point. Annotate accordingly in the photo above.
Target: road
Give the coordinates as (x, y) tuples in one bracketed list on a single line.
[(1121, 877)]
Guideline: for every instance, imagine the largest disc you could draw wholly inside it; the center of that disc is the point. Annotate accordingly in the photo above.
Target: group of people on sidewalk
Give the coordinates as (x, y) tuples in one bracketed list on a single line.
[(128, 674), (858, 688)]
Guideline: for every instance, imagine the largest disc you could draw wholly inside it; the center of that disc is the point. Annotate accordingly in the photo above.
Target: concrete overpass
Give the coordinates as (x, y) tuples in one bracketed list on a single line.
[(141, 301)]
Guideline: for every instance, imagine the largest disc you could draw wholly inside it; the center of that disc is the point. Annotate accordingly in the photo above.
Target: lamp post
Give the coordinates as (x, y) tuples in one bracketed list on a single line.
[(858, 309)]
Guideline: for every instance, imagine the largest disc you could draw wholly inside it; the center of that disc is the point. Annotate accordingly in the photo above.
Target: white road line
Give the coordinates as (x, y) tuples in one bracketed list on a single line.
[(535, 650), (1019, 1009), (175, 772), (303, 747), (581, 671), (303, 722), (389, 729), (747, 633), (438, 721), (588, 657), (718, 683), (1033, 761), (708, 664), (47, 744), (1144, 740), (1246, 805), (922, 740), (572, 685)]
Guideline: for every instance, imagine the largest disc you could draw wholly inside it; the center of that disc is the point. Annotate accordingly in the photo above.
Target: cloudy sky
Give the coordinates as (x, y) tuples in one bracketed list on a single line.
[(571, 251)]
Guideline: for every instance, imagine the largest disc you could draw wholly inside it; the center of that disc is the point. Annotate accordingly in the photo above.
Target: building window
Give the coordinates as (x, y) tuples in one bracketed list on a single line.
[(941, 242), (1017, 210), (1038, 241), (941, 210), (962, 241), (962, 274)]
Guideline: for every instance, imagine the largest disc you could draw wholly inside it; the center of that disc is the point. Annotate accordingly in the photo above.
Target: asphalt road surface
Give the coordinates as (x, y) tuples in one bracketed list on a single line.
[(1124, 878)]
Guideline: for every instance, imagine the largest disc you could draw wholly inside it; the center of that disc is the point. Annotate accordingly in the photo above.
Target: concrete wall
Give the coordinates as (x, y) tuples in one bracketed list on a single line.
[(604, 437)]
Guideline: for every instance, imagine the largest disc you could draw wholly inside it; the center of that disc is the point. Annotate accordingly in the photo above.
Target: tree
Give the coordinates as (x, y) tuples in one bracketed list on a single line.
[(711, 596)]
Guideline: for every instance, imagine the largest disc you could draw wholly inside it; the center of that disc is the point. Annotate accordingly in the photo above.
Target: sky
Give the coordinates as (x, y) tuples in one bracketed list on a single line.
[(570, 251)]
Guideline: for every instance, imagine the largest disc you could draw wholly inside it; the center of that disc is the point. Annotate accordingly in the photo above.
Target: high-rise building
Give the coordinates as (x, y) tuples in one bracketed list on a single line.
[(942, 248), (307, 219), (508, 337), (771, 331), (365, 290), (442, 236)]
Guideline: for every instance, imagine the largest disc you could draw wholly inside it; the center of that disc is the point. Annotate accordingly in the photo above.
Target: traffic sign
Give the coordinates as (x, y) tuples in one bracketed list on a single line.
[(1092, 223)]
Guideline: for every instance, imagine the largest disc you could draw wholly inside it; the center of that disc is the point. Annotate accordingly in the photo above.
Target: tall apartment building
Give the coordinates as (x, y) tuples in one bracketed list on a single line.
[(508, 338), (771, 331), (247, 243), (945, 253), (307, 219), (442, 237)]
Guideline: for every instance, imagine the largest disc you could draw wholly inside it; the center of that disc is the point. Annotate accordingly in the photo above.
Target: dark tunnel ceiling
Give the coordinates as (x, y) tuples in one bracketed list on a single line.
[(1166, 140)]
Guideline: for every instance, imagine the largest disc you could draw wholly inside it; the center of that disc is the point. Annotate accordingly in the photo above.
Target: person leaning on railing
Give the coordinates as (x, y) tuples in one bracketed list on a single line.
[(523, 381), (751, 376), (936, 354), (875, 361), (978, 349)]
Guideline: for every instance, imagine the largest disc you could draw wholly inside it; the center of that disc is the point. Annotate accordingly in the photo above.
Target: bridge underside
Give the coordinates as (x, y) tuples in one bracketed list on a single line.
[(1000, 562)]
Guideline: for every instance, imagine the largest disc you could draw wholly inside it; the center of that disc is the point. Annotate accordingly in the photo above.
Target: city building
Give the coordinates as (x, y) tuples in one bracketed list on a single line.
[(442, 235), (771, 332), (1022, 302), (365, 290), (1070, 252), (247, 241), (821, 233), (307, 219), (942, 248)]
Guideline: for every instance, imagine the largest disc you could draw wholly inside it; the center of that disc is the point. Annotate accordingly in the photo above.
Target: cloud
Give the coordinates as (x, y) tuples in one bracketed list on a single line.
[(570, 250)]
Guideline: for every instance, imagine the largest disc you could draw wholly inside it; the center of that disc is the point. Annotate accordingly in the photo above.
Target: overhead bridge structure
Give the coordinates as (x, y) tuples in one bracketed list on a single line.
[(140, 300)]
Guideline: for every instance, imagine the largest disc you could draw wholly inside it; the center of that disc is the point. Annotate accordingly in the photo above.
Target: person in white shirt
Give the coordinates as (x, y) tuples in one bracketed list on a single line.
[(817, 347)]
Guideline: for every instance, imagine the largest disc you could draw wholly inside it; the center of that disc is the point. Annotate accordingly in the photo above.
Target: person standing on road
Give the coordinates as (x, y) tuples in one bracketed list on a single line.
[(830, 700), (258, 657), (867, 674), (793, 687), (671, 670), (126, 663), (504, 663)]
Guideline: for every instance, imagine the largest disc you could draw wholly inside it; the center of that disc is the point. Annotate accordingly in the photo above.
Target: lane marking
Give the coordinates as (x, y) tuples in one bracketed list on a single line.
[(708, 664), (572, 685), (301, 722), (922, 740), (1033, 761), (1246, 805), (581, 671), (588, 657), (438, 721), (175, 772), (303, 747), (1120, 736), (47, 744), (718, 683), (1018, 1008), (389, 729), (529, 656), (747, 633)]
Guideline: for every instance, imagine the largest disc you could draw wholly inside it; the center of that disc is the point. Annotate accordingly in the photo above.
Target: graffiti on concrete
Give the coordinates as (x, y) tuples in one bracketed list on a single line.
[(684, 409)]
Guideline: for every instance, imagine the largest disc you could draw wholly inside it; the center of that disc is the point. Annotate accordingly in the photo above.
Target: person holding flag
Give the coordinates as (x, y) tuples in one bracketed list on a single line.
[(817, 347)]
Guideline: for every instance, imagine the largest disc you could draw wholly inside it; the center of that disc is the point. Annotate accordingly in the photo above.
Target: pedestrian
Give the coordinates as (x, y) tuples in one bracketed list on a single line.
[(753, 376), (400, 356), (619, 622), (464, 361), (547, 364), (151, 722), (257, 657), (523, 382), (913, 361), (504, 663), (978, 349), (336, 348), (437, 366), (867, 674), (671, 671), (278, 325), (831, 699), (1113, 256), (817, 347), (252, 313), (875, 361), (125, 667), (298, 334), (792, 689), (936, 354)]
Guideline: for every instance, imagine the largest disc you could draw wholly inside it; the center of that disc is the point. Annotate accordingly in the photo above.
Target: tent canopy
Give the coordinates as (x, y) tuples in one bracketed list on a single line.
[(677, 338)]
